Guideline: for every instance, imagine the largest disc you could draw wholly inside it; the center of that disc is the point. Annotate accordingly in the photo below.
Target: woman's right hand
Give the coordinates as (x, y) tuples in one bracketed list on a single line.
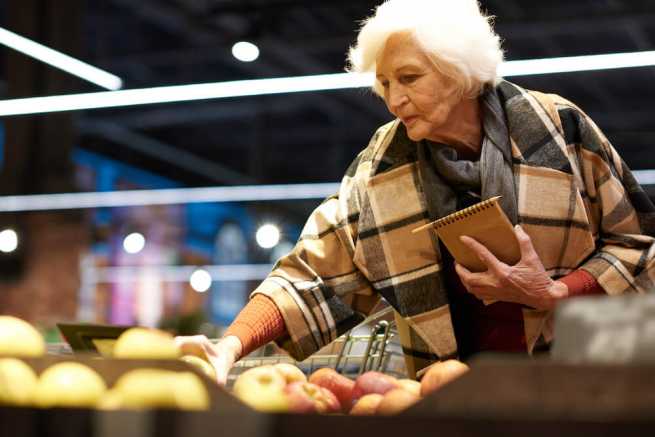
[(221, 355)]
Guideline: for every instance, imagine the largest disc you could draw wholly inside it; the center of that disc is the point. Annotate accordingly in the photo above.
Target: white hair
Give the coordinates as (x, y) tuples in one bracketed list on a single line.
[(454, 34)]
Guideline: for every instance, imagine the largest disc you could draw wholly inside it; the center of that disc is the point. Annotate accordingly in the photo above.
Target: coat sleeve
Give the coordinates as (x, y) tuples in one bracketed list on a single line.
[(621, 214), (317, 287)]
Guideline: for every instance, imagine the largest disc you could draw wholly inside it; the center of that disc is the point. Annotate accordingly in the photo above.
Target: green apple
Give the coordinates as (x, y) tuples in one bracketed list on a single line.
[(19, 338)]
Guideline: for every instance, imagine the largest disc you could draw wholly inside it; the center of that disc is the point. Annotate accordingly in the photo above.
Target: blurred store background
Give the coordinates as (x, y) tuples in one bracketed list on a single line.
[(189, 265)]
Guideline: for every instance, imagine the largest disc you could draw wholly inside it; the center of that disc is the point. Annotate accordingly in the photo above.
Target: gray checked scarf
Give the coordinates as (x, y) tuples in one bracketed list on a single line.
[(443, 175)]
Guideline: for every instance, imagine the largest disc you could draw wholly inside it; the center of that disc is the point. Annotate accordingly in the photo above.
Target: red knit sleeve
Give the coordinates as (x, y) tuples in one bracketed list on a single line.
[(258, 323), (581, 283)]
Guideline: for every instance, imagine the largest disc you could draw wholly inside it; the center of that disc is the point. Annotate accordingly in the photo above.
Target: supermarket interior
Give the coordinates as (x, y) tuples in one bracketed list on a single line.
[(287, 217)]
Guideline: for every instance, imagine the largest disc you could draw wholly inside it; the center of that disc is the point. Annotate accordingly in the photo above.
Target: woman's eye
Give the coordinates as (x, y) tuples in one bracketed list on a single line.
[(384, 83), (408, 78)]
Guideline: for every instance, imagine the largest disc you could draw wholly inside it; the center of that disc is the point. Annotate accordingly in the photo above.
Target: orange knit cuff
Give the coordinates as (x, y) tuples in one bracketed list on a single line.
[(258, 323), (581, 283)]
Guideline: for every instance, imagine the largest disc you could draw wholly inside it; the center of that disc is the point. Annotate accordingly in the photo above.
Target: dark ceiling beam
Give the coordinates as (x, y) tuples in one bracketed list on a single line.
[(169, 19), (572, 26), (622, 120), (198, 114), (175, 156)]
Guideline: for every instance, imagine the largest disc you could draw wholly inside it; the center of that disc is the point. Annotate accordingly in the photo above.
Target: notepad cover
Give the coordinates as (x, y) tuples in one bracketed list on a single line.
[(486, 223)]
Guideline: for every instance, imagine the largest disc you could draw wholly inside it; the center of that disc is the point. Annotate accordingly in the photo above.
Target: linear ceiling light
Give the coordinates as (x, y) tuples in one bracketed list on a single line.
[(221, 90), (243, 193), (182, 93), (577, 63), (60, 60), (167, 273)]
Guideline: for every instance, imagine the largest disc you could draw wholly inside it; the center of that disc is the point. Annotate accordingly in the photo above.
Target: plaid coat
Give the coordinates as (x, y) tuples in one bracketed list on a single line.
[(576, 199)]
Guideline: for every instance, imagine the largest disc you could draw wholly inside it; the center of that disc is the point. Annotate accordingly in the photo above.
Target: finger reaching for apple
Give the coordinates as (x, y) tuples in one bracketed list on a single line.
[(221, 355)]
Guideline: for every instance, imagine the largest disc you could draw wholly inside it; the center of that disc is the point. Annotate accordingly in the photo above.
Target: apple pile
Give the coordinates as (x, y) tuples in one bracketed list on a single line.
[(74, 384), (285, 388)]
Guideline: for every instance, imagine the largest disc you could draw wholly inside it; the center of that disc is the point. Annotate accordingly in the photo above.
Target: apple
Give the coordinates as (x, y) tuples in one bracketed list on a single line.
[(341, 386), (305, 397), (410, 385), (440, 374), (201, 365), (19, 338), (366, 405), (145, 343), (395, 401), (373, 382), (190, 392), (144, 388), (262, 388), (290, 372), (69, 384), (17, 382), (111, 400), (158, 388)]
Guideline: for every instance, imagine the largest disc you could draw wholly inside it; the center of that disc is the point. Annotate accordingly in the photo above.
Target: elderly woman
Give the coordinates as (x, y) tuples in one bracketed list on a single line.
[(460, 134)]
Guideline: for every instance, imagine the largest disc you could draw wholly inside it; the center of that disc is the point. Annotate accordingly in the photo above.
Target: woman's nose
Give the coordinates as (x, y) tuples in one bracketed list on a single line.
[(397, 97)]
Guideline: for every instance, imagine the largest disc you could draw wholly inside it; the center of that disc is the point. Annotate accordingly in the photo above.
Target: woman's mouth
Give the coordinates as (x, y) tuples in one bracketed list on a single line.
[(409, 120)]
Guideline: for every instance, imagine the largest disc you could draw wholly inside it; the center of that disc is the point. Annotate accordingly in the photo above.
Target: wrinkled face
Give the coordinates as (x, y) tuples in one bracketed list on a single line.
[(414, 90)]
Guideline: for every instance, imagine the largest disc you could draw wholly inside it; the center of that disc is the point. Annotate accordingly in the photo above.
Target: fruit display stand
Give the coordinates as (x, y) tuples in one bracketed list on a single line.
[(87, 422), (371, 346), (504, 396), (511, 396)]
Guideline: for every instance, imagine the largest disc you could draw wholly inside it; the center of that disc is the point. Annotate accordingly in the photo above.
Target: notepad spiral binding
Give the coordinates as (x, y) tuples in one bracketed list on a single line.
[(466, 212)]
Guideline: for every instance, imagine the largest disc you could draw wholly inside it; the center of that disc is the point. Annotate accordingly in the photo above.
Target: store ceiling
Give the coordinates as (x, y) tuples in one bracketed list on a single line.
[(311, 137)]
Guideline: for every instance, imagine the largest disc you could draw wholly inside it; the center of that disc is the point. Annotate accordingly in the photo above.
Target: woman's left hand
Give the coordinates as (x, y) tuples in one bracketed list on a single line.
[(526, 282)]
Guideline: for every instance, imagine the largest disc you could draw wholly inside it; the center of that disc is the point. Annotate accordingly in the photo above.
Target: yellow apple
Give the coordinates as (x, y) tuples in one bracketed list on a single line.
[(69, 384), (290, 372), (17, 382), (410, 385), (201, 364), (19, 338), (262, 388), (395, 401), (144, 343), (440, 374), (190, 392), (157, 388), (111, 400), (145, 388)]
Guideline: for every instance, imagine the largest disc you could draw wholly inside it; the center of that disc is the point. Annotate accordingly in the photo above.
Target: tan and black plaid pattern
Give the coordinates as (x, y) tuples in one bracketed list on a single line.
[(576, 199)]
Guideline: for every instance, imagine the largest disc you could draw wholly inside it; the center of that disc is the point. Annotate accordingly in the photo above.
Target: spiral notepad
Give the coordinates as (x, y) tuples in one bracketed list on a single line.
[(485, 222)]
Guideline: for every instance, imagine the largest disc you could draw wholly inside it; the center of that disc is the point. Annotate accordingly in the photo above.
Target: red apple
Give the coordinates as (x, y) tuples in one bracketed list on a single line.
[(341, 386), (395, 401), (366, 405), (441, 374), (410, 385), (290, 372), (305, 397), (373, 382)]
